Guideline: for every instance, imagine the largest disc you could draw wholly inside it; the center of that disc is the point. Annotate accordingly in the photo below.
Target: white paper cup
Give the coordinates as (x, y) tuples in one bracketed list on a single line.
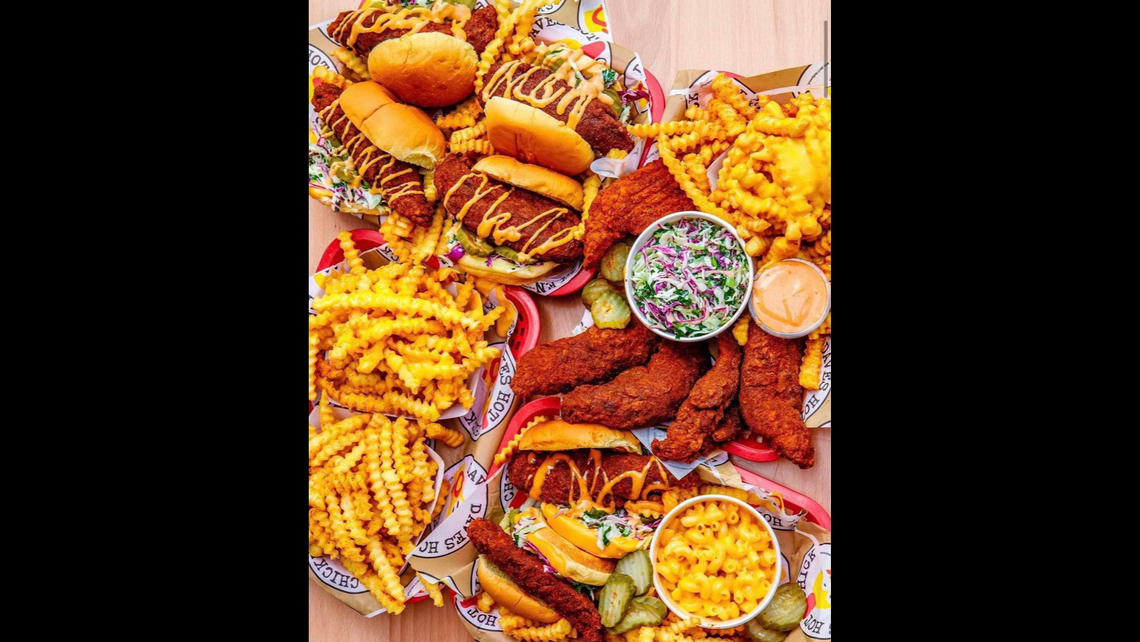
[(644, 237), (663, 595)]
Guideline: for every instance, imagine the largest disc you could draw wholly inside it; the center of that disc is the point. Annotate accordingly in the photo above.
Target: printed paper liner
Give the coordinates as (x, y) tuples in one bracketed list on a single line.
[(801, 524), (461, 467), (579, 23)]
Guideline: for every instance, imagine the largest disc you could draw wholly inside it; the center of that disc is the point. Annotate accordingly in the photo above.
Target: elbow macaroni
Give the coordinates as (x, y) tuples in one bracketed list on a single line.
[(715, 560)]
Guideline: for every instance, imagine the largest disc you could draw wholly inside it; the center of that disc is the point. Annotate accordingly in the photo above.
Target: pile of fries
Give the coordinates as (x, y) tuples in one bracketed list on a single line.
[(774, 185), (371, 487), (395, 340)]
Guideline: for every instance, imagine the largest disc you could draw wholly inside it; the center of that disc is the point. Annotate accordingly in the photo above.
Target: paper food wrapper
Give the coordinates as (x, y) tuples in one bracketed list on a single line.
[(694, 87), (581, 24), (446, 553), (464, 468)]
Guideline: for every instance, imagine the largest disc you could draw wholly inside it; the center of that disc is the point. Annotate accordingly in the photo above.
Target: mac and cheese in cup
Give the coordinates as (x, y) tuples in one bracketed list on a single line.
[(717, 559)]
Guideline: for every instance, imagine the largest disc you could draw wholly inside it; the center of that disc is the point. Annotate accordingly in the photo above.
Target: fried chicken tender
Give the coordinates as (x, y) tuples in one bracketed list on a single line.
[(644, 395), (556, 488), (630, 205), (595, 355), (771, 396), (730, 424), (700, 415), (527, 571)]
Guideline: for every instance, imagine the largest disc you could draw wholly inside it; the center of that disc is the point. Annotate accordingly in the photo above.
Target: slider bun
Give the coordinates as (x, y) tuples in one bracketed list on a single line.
[(534, 136), (570, 561), (559, 435), (361, 100), (406, 133), (551, 184), (507, 593), (504, 271), (430, 69)]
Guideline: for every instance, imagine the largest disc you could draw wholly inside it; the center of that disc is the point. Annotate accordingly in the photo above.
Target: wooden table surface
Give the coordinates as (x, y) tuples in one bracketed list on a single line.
[(744, 36)]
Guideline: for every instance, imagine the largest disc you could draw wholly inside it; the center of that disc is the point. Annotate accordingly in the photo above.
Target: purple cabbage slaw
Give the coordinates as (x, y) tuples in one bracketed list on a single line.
[(690, 277)]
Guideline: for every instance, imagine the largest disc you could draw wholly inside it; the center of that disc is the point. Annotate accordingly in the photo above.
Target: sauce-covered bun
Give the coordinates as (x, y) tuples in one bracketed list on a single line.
[(429, 69), (533, 136), (403, 131), (552, 185), (507, 593)]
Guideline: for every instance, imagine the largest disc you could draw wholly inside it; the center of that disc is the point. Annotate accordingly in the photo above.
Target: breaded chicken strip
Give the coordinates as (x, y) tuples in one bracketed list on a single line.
[(557, 485), (528, 572), (701, 413), (771, 396), (592, 356), (642, 396), (629, 205)]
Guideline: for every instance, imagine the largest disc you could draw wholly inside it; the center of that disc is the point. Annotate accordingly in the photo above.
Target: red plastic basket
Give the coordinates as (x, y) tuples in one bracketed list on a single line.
[(795, 501)]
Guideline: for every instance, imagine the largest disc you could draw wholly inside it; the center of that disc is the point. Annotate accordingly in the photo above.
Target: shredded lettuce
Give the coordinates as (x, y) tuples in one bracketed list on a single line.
[(690, 278), (343, 193)]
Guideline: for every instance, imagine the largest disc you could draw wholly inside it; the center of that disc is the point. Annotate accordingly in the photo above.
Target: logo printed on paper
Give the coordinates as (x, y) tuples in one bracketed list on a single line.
[(813, 401), (475, 617), (550, 7), (592, 17), (554, 281), (333, 574), (815, 580), (318, 58), (494, 397)]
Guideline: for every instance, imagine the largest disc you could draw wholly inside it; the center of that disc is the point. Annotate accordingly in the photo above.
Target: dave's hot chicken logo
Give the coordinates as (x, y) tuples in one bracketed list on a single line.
[(815, 580)]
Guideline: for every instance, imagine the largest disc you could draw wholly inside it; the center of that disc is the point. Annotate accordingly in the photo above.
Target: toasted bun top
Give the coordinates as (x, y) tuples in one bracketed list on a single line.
[(504, 271), (571, 561), (361, 100), (559, 435), (508, 594), (431, 69), (551, 184), (534, 136), (406, 133)]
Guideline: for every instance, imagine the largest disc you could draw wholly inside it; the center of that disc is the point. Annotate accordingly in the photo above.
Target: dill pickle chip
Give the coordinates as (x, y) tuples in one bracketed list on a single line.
[(613, 263), (785, 610), (614, 598), (472, 244), (610, 311), (643, 611), (594, 289), (639, 568)]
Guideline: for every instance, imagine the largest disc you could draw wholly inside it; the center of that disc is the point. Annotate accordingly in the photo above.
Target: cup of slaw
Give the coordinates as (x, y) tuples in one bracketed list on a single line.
[(687, 277)]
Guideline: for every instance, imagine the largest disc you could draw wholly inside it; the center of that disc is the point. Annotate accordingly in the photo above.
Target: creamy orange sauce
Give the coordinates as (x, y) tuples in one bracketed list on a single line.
[(494, 225), (586, 497), (789, 297), (412, 18), (544, 92)]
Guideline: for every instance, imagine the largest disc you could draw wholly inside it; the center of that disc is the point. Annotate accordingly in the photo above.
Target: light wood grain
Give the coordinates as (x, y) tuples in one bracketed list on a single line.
[(744, 36)]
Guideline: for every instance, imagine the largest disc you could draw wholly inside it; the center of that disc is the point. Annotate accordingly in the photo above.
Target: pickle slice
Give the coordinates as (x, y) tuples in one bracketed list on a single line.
[(757, 633), (613, 263), (594, 289), (473, 244), (643, 611), (610, 311), (616, 104), (614, 598), (638, 567), (785, 610), (508, 253)]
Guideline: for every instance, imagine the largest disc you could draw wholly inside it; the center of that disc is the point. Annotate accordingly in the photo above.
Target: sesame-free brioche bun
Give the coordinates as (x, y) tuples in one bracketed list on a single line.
[(430, 69), (552, 185), (360, 100), (560, 435), (507, 593), (402, 130), (534, 136), (504, 271)]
